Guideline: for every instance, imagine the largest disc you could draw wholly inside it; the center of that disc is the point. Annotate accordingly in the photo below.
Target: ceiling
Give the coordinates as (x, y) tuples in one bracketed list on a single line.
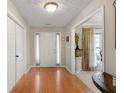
[(95, 19), (36, 15)]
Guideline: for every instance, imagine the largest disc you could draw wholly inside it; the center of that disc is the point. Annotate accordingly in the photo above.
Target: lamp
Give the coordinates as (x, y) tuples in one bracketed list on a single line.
[(51, 6)]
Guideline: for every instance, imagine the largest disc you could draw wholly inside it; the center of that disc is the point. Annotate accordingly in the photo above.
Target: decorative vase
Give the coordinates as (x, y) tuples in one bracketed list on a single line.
[(77, 47)]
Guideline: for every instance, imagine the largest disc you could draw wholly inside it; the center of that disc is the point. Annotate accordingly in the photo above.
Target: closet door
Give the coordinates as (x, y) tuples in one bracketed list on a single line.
[(10, 54), (19, 52)]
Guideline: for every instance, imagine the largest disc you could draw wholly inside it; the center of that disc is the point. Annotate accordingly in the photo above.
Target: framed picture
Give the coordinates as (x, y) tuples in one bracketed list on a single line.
[(67, 38)]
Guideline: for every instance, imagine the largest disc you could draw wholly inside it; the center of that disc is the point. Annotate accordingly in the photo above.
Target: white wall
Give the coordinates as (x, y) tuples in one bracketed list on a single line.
[(12, 8), (110, 55), (33, 30)]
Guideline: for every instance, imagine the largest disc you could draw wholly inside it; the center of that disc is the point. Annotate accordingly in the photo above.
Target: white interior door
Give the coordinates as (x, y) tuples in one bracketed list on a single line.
[(47, 49), (19, 52), (10, 54)]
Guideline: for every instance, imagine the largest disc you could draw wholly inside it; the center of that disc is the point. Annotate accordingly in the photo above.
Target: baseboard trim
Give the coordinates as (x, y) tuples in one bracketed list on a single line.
[(35, 66), (55, 66), (68, 70), (41, 66), (27, 70)]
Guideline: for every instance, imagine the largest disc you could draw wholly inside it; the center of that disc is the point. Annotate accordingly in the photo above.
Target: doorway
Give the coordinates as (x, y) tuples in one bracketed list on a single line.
[(48, 49), (96, 21)]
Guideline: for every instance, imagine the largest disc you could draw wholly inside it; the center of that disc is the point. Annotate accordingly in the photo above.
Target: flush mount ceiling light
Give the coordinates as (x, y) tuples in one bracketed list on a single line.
[(51, 6)]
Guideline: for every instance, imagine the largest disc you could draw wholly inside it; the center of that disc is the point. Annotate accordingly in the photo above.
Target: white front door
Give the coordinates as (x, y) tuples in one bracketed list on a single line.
[(47, 49), (19, 52)]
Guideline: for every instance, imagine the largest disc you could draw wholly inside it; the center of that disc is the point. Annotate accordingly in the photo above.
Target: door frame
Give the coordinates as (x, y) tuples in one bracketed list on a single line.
[(18, 22), (73, 30), (38, 32), (15, 19)]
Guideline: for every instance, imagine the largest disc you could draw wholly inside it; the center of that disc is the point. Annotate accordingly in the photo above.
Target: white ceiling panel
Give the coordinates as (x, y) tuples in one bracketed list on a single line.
[(37, 16)]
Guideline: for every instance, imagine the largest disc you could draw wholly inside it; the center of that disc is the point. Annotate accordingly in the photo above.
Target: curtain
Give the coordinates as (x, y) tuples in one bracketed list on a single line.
[(86, 45)]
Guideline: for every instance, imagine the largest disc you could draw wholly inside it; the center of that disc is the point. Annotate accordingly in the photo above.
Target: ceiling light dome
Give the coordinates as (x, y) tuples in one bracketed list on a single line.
[(51, 6)]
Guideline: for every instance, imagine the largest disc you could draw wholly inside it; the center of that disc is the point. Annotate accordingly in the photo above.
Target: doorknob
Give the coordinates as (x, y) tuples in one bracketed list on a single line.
[(17, 55)]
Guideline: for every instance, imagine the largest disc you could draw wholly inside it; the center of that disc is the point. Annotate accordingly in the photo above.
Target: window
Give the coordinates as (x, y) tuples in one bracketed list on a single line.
[(58, 48), (98, 50), (37, 50)]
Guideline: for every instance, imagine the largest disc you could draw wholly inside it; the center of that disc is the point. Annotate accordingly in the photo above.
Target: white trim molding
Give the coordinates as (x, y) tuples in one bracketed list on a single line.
[(27, 70), (69, 70), (55, 66), (15, 19)]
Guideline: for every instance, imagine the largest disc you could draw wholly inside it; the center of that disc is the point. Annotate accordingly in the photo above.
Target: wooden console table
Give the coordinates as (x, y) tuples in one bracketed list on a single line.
[(104, 82)]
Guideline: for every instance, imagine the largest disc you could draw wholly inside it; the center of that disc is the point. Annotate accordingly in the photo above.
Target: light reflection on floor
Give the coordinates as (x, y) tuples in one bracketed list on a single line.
[(58, 80), (37, 86)]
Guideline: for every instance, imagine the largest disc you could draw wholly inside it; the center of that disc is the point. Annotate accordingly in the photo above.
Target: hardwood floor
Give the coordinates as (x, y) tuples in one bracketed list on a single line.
[(50, 80)]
